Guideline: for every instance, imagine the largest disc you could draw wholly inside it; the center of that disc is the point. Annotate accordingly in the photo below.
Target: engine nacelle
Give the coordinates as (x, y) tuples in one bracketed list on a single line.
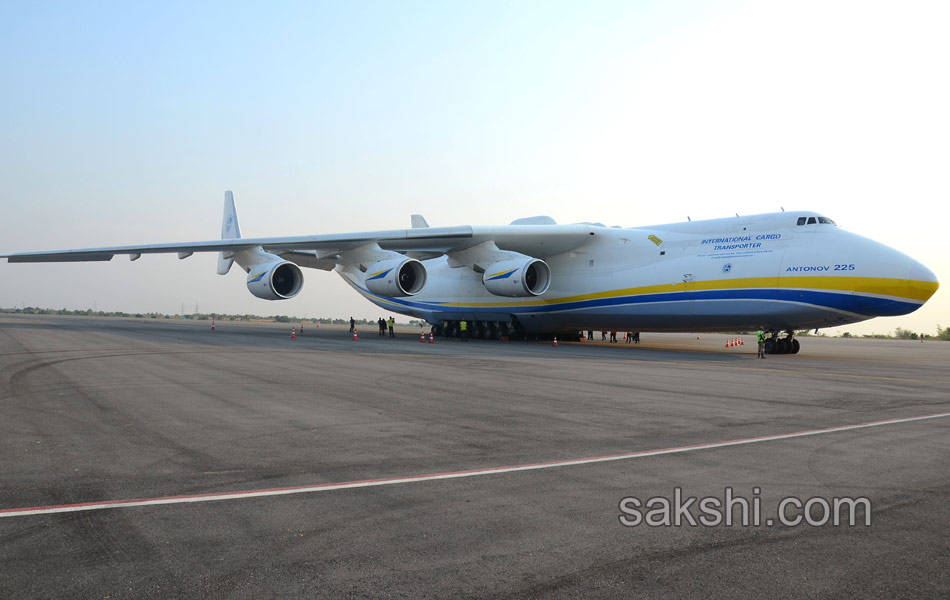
[(278, 280), (396, 277), (518, 277)]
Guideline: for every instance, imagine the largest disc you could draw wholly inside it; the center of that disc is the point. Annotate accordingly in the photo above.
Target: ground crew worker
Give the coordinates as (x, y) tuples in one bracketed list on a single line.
[(392, 323), (761, 337), (463, 330), (352, 324)]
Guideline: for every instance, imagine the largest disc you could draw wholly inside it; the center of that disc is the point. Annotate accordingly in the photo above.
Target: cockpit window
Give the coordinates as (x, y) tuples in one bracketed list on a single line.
[(811, 220), (801, 220), (825, 221)]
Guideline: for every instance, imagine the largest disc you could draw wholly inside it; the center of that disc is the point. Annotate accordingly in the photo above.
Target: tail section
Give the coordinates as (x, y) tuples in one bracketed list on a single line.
[(230, 230)]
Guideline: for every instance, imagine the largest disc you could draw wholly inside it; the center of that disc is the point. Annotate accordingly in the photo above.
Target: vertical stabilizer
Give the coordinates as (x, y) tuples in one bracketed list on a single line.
[(230, 230)]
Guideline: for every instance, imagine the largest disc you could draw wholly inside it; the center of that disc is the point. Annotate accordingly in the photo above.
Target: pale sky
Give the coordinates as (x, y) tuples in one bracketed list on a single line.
[(124, 123)]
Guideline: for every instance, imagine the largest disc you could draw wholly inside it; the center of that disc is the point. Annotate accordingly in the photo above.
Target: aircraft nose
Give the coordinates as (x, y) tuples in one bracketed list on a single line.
[(923, 282)]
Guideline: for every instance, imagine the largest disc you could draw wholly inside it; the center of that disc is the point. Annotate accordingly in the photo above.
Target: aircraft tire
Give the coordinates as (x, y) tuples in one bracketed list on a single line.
[(795, 347)]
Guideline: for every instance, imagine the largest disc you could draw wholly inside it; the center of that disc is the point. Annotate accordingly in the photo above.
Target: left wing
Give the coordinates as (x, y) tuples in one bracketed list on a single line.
[(538, 240)]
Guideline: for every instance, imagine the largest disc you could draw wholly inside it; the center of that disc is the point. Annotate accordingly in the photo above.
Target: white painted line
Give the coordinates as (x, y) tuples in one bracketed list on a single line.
[(325, 487)]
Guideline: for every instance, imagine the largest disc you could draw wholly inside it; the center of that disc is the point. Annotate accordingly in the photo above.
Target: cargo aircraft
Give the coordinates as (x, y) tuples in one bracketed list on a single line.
[(775, 272)]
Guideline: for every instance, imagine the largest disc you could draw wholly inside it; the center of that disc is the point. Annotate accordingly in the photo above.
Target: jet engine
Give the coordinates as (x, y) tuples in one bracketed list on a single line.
[(518, 277), (278, 280), (396, 277)]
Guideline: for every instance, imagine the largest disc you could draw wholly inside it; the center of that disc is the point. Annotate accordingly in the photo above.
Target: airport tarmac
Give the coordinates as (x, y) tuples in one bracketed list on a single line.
[(155, 458)]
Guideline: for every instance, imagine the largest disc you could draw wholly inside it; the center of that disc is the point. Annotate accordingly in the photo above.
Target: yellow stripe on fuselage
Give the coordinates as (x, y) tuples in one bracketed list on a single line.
[(900, 288)]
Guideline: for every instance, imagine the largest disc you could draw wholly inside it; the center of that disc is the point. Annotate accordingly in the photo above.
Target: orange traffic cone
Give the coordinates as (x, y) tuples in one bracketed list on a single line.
[(431, 338), (741, 343), (555, 341), (212, 324), (354, 335), (727, 343), (293, 333), (318, 324), (301, 328)]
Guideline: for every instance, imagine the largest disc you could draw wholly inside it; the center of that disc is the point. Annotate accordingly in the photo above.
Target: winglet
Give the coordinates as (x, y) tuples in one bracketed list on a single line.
[(230, 230), (418, 222)]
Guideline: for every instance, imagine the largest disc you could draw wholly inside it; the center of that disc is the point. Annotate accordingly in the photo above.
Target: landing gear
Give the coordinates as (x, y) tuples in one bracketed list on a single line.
[(483, 330), (782, 345)]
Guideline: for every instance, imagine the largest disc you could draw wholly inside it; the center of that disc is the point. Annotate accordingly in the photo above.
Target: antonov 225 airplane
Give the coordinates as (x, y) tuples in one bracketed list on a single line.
[(776, 272)]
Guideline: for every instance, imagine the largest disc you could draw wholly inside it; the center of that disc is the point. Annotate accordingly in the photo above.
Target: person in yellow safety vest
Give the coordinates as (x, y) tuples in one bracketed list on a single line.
[(761, 337), (392, 323), (463, 330)]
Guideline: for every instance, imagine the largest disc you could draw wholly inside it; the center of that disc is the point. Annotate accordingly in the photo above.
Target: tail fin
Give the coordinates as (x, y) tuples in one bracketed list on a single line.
[(230, 230)]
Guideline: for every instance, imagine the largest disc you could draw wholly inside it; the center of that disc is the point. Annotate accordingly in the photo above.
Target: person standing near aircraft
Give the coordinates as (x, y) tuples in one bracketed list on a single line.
[(463, 330), (392, 324), (381, 324), (590, 335), (761, 338), (352, 324)]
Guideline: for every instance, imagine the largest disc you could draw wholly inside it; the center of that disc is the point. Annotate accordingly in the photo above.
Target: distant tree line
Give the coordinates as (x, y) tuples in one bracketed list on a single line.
[(31, 310), (943, 333)]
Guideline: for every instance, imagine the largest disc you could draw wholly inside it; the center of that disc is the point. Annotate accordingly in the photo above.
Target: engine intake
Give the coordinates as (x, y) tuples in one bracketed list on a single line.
[(396, 277), (279, 280), (518, 277)]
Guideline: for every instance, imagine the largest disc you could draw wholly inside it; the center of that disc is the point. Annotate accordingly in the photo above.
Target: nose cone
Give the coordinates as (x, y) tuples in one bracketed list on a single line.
[(922, 282)]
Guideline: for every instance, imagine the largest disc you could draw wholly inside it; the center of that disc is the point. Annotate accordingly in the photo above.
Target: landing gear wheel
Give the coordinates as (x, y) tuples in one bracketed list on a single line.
[(795, 347), (781, 346), (770, 346)]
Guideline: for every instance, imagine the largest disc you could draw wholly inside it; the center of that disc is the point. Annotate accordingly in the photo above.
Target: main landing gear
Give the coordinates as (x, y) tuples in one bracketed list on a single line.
[(782, 345)]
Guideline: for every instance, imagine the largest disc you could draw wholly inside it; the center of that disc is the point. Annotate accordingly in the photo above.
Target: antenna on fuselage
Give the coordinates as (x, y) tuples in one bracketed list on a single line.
[(783, 208), (688, 219)]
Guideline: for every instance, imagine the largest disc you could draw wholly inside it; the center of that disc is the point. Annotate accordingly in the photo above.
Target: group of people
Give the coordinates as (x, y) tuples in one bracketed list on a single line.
[(383, 324), (633, 337)]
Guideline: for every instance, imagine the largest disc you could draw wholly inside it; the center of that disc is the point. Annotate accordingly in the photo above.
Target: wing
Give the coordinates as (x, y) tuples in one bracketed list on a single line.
[(538, 237), (534, 240)]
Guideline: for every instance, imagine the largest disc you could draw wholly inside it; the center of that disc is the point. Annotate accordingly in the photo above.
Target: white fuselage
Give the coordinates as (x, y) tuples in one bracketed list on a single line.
[(757, 272)]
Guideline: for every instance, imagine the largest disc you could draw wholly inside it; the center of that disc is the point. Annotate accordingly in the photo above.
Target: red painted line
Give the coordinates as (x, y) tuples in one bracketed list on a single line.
[(217, 496)]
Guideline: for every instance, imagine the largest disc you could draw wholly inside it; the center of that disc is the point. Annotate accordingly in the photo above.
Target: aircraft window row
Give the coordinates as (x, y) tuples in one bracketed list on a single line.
[(814, 220)]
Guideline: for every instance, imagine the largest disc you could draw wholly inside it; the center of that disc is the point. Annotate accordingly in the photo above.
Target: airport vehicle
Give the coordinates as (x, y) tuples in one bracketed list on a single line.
[(778, 272)]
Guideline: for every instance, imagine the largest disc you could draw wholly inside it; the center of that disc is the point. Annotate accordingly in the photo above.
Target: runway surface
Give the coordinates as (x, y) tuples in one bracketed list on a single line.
[(155, 458)]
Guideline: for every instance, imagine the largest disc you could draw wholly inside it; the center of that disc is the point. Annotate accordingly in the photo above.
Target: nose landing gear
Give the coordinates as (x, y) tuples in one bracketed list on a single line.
[(782, 345)]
